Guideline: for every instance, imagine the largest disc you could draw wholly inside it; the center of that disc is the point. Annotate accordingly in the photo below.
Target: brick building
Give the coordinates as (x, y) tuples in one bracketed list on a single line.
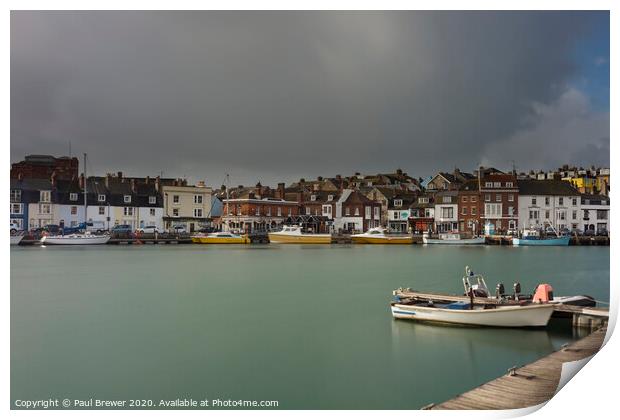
[(43, 166)]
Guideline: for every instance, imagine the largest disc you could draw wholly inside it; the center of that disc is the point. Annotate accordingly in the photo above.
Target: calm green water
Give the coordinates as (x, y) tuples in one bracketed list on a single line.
[(307, 325)]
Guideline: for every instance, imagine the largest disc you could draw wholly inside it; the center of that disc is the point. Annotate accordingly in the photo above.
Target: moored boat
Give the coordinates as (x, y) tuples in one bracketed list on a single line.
[(381, 236), (294, 235), (531, 237), (75, 239), (16, 239), (464, 313), (221, 238), (452, 239)]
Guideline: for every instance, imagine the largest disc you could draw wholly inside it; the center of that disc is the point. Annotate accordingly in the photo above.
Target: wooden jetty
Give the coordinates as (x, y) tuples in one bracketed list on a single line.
[(525, 386)]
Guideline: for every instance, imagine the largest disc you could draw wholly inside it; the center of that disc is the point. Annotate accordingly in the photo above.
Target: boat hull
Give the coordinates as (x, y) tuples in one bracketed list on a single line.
[(507, 316), (68, 240), (16, 239), (277, 238), (472, 241), (563, 241), (385, 240), (205, 240)]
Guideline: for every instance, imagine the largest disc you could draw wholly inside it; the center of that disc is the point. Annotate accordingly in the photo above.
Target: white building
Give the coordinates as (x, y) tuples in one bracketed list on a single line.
[(594, 214), (446, 211), (548, 202)]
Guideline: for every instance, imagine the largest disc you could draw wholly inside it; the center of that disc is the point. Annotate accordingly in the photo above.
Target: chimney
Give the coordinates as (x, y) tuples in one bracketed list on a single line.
[(53, 179), (480, 169), (20, 176), (133, 186), (338, 177), (157, 183), (108, 180), (280, 192), (399, 171), (81, 181), (147, 180), (320, 178), (200, 184), (258, 190), (119, 174)]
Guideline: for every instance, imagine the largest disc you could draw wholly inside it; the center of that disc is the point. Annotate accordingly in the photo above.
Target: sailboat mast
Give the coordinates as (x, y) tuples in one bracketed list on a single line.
[(227, 197), (85, 205)]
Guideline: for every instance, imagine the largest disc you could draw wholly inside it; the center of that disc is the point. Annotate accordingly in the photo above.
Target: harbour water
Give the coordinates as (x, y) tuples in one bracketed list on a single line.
[(306, 325)]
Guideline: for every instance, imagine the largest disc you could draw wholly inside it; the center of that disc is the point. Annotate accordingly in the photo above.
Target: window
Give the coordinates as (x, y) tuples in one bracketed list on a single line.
[(534, 214), (509, 185), (602, 214), (368, 211), (308, 210), (152, 212), (327, 210), (464, 199), (398, 203), (511, 197), (561, 201), (126, 199), (586, 215), (257, 211), (44, 196), (422, 200), (73, 209), (395, 215), (347, 211), (447, 199), (497, 184), (473, 198), (511, 211), (198, 212), (16, 196), (101, 210), (279, 211), (100, 197), (128, 211), (498, 198), (574, 201), (198, 199), (73, 196), (330, 197), (533, 201), (175, 199), (175, 212), (574, 215), (473, 211), (562, 215), (377, 212), (546, 214), (546, 201), (45, 209), (464, 211), (152, 199), (17, 208), (313, 197), (290, 211), (488, 185), (492, 210), (487, 197), (357, 211), (269, 211), (447, 212)]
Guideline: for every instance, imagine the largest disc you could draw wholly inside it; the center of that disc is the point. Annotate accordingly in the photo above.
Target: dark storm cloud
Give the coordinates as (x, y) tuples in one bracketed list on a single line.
[(272, 95)]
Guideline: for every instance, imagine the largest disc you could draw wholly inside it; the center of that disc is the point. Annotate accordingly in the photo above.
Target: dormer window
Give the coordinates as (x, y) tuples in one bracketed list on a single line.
[(509, 185), (330, 197), (497, 184), (152, 199), (398, 203), (101, 197), (488, 184), (126, 199), (313, 197), (73, 196)]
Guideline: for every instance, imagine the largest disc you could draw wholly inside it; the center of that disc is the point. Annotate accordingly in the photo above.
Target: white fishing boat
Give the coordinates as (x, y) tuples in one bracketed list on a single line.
[(16, 239), (464, 313), (294, 235), (86, 238), (452, 239), (75, 239), (381, 236)]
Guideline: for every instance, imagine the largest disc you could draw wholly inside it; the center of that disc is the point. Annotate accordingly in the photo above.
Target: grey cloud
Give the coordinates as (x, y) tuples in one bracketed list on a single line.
[(281, 95)]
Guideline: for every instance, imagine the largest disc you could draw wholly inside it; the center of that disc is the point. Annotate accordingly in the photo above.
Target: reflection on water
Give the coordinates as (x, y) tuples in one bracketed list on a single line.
[(307, 325)]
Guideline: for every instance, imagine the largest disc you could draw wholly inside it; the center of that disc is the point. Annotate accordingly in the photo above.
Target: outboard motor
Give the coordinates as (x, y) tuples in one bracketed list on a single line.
[(517, 289), (499, 290)]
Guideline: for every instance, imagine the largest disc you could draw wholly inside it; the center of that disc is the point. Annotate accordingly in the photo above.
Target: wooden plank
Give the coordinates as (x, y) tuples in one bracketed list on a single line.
[(508, 392)]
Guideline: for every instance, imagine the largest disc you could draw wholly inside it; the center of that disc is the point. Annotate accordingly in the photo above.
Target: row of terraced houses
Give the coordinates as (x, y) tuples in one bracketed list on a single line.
[(47, 190)]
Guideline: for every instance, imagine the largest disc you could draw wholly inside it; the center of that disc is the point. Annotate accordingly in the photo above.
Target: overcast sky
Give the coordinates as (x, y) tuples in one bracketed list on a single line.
[(281, 95)]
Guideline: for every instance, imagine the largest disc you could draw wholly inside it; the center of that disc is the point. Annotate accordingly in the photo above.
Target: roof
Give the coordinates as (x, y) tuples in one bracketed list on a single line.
[(545, 187), (31, 184)]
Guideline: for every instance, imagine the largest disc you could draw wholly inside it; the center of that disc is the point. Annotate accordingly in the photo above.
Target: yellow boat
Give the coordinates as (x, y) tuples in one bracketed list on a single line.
[(221, 238), (294, 235), (381, 236)]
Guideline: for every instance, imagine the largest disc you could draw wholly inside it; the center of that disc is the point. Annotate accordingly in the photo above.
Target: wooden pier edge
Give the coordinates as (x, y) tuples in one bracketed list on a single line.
[(530, 385)]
